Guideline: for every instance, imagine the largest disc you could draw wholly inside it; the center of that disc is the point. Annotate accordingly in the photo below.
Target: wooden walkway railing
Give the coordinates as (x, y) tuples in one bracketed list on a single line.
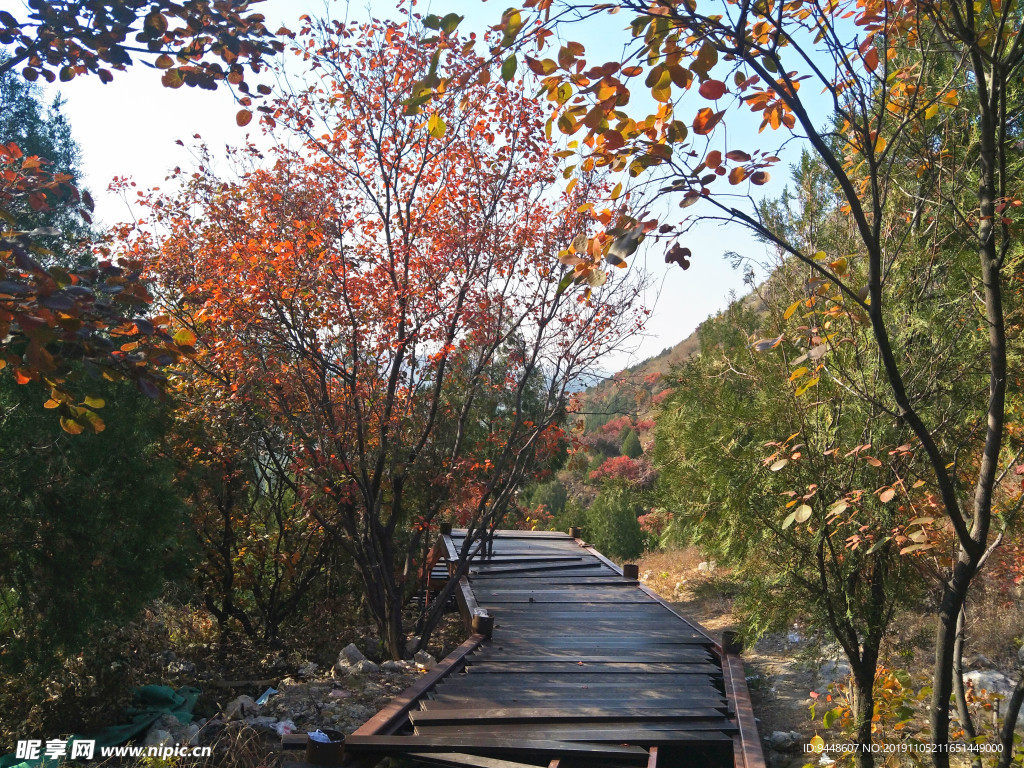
[(585, 668)]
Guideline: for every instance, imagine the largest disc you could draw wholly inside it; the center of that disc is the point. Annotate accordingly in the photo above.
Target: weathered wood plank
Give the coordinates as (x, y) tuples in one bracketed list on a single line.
[(560, 714), (553, 678), (558, 666), (472, 761), (494, 745), (717, 729)]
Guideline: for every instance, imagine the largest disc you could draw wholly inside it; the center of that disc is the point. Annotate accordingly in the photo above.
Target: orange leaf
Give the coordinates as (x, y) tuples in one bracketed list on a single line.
[(871, 60), (243, 118), (706, 120)]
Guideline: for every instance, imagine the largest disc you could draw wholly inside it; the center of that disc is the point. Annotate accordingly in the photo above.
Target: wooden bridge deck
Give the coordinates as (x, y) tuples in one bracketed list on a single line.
[(585, 668)]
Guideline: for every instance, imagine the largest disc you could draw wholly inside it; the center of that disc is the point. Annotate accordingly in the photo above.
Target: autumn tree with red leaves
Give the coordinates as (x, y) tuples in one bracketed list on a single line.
[(383, 297)]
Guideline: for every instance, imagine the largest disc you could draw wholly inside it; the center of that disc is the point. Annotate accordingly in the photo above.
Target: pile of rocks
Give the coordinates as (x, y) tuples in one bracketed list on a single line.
[(342, 698)]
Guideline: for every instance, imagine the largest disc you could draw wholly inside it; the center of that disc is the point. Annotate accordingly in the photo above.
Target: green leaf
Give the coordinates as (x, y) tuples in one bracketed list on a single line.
[(565, 282), (451, 22), (508, 68)]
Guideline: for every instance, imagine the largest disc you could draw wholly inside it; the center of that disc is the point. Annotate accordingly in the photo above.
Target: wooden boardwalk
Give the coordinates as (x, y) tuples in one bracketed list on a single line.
[(586, 668)]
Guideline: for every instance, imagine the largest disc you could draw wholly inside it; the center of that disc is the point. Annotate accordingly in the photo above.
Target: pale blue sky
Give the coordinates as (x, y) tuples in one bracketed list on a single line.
[(129, 128)]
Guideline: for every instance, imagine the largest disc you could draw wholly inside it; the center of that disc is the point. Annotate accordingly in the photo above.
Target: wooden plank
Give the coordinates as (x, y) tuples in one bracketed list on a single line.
[(567, 612), (592, 597), (498, 666), (560, 696), (652, 761), (439, 703), (567, 657), (474, 761), (559, 714), (498, 745), (607, 657), (554, 677), (476, 568), (395, 714), (585, 634), (632, 733)]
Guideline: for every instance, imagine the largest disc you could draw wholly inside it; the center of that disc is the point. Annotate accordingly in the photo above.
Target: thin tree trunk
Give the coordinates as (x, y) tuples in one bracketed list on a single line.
[(863, 711), (958, 685), (1013, 707)]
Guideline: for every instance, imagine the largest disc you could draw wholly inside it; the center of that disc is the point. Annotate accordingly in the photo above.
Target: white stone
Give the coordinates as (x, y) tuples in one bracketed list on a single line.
[(158, 738), (363, 667), (350, 655), (424, 660), (240, 708), (393, 667), (991, 681)]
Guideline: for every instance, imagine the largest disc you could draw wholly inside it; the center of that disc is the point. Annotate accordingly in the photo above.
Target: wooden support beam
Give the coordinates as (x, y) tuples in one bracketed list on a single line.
[(747, 751), (652, 761), (396, 714)]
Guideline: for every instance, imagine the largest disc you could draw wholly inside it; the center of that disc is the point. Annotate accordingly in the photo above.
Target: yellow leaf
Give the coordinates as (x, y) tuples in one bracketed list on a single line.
[(71, 426), (803, 513), (803, 369), (931, 112), (184, 337), (94, 402), (436, 127), (807, 386), (790, 310), (616, 191)]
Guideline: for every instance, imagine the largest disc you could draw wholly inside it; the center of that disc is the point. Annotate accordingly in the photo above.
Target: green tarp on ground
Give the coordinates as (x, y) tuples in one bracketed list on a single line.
[(149, 703)]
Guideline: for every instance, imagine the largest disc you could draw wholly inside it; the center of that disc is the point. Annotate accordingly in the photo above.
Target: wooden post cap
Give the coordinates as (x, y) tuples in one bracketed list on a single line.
[(731, 642), (483, 624), (575, 532), (326, 752), (631, 571)]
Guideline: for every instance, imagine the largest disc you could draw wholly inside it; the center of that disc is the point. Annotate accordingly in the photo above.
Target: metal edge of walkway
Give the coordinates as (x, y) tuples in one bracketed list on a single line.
[(379, 733)]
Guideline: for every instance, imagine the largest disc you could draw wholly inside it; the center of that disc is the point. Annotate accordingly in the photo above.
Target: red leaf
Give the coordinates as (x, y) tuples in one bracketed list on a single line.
[(713, 89)]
